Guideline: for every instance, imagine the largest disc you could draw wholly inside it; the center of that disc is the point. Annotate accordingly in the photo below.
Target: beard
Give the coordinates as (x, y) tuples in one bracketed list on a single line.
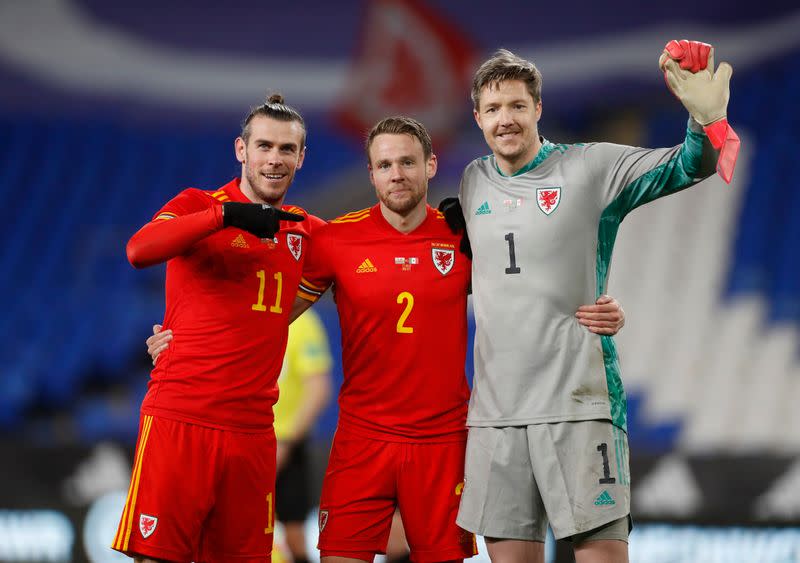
[(269, 194), (402, 206)]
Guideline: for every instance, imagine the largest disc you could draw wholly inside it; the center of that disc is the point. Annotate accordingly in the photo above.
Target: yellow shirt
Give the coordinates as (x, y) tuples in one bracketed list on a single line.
[(307, 354)]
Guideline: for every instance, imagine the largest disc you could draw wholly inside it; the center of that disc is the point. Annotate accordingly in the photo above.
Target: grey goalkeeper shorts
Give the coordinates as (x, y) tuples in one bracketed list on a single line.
[(571, 475)]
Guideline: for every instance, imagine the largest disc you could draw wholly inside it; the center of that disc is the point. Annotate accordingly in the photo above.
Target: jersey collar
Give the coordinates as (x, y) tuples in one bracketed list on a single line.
[(544, 152), (384, 225), (234, 191)]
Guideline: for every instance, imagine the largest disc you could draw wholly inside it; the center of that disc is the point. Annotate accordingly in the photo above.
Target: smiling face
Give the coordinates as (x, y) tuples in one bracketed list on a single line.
[(400, 171), (509, 117), (270, 156)]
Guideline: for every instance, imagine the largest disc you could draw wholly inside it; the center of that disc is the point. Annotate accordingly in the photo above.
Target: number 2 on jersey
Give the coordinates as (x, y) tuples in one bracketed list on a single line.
[(262, 282), (409, 299)]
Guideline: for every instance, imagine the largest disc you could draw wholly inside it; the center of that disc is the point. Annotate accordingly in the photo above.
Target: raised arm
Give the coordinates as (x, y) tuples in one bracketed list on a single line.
[(191, 217), (689, 71)]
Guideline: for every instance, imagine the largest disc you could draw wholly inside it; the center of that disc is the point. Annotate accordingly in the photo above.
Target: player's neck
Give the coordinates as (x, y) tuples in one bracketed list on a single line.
[(408, 222), (511, 167)]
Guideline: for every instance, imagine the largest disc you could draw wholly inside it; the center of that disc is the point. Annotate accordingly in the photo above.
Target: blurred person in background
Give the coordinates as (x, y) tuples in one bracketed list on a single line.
[(203, 482), (305, 390), (547, 417)]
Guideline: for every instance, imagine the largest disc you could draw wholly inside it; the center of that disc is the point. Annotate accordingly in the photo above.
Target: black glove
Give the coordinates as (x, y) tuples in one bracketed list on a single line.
[(258, 218), (451, 209)]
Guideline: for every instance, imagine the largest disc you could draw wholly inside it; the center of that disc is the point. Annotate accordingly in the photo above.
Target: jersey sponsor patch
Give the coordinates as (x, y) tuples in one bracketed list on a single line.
[(548, 199), (147, 525), (323, 519), (295, 244), (405, 263), (443, 259)]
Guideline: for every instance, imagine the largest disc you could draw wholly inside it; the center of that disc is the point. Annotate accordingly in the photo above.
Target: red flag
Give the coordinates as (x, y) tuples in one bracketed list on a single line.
[(411, 61)]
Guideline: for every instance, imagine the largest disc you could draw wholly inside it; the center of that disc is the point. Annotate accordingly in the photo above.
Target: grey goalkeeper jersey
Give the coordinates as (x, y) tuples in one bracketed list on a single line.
[(542, 242)]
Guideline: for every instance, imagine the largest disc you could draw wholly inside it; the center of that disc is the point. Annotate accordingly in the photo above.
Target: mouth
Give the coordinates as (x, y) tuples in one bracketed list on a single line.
[(507, 135), (274, 177)]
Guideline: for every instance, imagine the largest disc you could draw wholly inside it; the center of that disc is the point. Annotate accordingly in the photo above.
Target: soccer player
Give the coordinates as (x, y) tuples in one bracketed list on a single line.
[(305, 390), (203, 482), (400, 287), (547, 437)]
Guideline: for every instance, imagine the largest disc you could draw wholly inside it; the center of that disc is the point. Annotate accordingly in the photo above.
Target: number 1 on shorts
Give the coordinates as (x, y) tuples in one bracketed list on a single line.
[(607, 478)]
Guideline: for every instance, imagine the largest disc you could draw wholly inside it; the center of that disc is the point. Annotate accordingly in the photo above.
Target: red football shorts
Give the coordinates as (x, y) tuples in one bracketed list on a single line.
[(367, 479), (199, 494)]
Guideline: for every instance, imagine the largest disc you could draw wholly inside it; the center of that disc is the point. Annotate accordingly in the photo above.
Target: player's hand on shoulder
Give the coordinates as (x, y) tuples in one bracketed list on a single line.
[(450, 207), (605, 317), (259, 219), (158, 342)]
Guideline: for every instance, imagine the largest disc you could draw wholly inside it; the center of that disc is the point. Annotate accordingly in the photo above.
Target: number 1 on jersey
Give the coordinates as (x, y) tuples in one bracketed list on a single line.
[(512, 257), (409, 299)]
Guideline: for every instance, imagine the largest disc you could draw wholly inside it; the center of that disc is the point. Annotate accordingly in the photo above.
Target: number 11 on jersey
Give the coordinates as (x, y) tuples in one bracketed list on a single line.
[(262, 282)]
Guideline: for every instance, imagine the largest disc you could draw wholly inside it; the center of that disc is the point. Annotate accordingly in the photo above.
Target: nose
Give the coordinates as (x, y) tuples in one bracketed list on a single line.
[(504, 115), (273, 156), (396, 173)]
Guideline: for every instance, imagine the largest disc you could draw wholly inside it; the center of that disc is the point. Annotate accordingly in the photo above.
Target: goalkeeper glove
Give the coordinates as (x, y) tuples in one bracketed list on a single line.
[(451, 209), (259, 219), (691, 55), (703, 94)]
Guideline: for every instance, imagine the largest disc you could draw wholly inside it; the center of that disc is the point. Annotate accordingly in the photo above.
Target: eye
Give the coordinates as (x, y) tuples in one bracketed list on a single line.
[(519, 106)]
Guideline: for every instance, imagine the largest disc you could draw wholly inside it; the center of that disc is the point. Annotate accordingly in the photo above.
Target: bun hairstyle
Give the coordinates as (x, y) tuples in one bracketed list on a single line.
[(275, 108)]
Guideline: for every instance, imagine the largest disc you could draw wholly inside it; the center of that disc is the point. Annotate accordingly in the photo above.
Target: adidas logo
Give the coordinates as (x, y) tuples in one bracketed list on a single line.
[(239, 242), (604, 499), (366, 267), (484, 209)]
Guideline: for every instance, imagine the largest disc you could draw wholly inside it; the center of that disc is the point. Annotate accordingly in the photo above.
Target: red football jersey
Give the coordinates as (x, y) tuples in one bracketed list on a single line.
[(227, 303), (402, 301)]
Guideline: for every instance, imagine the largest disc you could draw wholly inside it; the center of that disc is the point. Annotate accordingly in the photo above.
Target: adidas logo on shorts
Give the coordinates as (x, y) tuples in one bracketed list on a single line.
[(604, 499)]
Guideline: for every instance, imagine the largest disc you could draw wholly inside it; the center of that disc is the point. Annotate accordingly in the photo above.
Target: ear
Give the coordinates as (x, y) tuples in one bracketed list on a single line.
[(432, 166), (477, 117), (240, 149), (538, 110), (371, 176), (301, 159)]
